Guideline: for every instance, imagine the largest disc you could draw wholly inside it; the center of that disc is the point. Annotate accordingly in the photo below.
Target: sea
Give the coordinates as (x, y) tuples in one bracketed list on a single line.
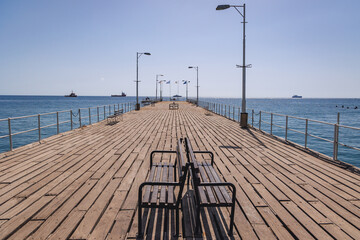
[(319, 138)]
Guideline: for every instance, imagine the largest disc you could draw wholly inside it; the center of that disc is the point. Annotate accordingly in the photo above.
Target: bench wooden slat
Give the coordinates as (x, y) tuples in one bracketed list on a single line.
[(222, 188), (147, 191), (210, 173), (171, 188), (209, 191), (163, 188), (155, 191)]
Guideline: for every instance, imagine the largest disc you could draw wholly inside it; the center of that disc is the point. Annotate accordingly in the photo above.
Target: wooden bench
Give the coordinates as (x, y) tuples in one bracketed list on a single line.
[(113, 118), (173, 106), (159, 190), (210, 190)]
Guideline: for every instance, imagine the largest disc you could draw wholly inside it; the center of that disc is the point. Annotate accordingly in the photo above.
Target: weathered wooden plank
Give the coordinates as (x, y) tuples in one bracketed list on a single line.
[(316, 194), (94, 213)]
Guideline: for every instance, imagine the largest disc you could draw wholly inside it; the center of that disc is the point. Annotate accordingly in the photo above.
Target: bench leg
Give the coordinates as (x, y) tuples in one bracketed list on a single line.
[(197, 220), (231, 227), (140, 234), (177, 223)]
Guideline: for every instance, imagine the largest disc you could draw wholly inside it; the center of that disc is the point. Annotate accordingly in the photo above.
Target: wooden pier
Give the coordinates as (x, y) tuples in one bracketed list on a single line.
[(83, 184)]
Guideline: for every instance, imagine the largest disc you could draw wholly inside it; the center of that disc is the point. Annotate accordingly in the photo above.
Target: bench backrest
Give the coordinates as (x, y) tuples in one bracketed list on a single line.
[(195, 173), (180, 158), (118, 112)]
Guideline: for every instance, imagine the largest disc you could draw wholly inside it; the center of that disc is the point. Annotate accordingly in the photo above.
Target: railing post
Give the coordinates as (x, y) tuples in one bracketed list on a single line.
[(271, 123), (79, 118), (252, 118), (109, 110), (89, 117), (239, 114), (114, 108), (39, 127), (98, 117), (225, 111), (234, 113), (336, 141), (338, 118), (71, 120), (286, 127), (260, 120), (57, 122), (306, 131), (104, 113), (10, 135), (118, 106)]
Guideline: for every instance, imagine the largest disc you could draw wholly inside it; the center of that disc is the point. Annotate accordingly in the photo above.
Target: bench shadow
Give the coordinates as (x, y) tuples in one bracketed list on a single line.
[(112, 123), (213, 222), (158, 223)]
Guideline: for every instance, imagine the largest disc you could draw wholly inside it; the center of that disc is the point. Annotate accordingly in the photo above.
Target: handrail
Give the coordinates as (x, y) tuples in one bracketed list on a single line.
[(76, 117), (220, 109)]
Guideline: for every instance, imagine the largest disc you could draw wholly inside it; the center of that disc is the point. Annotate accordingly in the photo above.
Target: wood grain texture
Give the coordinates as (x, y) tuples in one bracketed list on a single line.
[(83, 184)]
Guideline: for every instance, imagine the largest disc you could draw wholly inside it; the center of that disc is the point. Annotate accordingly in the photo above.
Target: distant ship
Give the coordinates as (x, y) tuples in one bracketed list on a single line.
[(176, 96), (122, 95), (296, 96), (72, 94)]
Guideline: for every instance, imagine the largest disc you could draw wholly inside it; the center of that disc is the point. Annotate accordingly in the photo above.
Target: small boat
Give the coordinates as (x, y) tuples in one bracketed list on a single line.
[(122, 95), (296, 96), (72, 94), (146, 100)]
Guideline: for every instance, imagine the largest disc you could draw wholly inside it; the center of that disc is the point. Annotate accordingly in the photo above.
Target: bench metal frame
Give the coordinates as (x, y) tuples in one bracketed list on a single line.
[(117, 113), (173, 106), (196, 182), (182, 171)]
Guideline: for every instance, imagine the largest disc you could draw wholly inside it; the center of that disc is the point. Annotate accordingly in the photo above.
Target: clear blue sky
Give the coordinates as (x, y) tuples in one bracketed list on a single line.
[(309, 48)]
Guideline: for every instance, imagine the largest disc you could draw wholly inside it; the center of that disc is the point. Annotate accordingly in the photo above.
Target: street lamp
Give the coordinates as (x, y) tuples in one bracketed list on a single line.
[(186, 82), (161, 89), (138, 55), (197, 84), (244, 115), (157, 75)]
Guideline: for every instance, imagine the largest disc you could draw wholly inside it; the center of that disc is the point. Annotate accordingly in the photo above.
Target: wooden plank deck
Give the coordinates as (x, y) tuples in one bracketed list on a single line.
[(83, 184)]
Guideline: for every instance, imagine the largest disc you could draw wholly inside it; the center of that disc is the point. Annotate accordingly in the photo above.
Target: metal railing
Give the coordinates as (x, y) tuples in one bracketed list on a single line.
[(79, 117), (228, 111), (231, 112)]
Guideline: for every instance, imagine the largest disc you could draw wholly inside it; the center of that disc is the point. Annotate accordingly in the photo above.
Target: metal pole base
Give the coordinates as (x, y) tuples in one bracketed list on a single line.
[(137, 106), (244, 120)]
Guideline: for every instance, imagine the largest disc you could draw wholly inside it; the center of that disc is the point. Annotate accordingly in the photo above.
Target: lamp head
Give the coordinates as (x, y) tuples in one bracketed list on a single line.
[(146, 53), (191, 67), (222, 7)]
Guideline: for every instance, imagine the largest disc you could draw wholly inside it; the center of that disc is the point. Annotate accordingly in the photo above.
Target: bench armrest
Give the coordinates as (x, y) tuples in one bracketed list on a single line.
[(158, 151), (142, 185), (221, 184), (211, 155)]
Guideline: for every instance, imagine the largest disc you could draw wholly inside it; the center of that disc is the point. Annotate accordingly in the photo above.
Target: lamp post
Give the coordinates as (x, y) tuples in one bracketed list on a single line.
[(138, 55), (197, 84), (244, 115), (157, 75), (186, 82), (161, 89)]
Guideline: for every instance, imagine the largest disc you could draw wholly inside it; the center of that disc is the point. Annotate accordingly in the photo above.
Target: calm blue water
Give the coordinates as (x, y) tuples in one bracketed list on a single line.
[(317, 109), (16, 106)]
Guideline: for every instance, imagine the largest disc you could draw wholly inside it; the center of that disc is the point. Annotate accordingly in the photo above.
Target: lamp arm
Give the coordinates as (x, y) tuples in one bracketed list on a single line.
[(239, 11)]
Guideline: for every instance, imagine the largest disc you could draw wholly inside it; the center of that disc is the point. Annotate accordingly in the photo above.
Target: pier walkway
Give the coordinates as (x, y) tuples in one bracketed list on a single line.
[(83, 184)]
